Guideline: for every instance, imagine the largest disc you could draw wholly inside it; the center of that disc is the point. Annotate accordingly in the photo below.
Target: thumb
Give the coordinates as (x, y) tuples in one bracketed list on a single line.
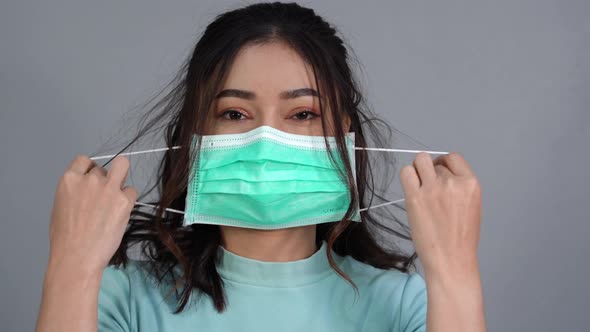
[(409, 179), (131, 194)]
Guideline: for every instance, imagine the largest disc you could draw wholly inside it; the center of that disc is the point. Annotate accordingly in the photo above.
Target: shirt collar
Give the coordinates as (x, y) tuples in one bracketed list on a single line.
[(275, 274)]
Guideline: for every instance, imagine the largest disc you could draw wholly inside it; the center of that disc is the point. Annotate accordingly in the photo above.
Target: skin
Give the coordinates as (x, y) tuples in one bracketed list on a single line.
[(443, 201)]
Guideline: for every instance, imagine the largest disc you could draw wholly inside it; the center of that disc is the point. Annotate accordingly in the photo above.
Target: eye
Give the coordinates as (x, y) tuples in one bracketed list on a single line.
[(307, 114), (233, 115)]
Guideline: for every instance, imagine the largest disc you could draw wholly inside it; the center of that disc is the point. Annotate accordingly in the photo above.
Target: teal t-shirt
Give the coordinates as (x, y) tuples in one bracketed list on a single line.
[(303, 295)]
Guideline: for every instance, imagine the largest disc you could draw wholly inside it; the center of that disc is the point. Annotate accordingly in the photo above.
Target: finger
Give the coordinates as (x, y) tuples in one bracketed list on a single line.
[(443, 171), (98, 171), (409, 180), (118, 171), (455, 163), (424, 167), (131, 194), (81, 164)]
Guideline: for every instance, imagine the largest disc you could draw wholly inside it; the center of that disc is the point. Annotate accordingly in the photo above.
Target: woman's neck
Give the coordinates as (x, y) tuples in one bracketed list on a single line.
[(279, 245)]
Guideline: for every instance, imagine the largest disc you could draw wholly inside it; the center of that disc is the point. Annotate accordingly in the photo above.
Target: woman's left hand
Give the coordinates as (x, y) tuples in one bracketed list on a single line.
[(443, 202)]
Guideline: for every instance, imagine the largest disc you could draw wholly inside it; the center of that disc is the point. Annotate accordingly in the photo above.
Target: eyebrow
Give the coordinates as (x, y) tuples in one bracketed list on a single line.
[(289, 94)]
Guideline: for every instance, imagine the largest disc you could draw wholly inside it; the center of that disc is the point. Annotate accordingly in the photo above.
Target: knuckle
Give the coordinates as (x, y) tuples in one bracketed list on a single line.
[(413, 200), (452, 184), (134, 193), (123, 161), (123, 201), (444, 182), (473, 183), (408, 175), (117, 199), (473, 180), (437, 190), (440, 181), (455, 156), (94, 178), (422, 156), (69, 176), (405, 171), (81, 158), (439, 169), (68, 180), (101, 170)]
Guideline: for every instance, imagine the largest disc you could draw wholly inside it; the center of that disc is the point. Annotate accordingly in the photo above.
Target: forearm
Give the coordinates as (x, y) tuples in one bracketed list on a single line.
[(69, 301), (455, 303)]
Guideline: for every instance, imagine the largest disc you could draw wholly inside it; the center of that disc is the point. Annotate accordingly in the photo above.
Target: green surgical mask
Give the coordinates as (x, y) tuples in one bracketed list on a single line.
[(267, 179)]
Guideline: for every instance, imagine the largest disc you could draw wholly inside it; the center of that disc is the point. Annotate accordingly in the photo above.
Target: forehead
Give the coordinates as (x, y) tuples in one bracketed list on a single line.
[(268, 69)]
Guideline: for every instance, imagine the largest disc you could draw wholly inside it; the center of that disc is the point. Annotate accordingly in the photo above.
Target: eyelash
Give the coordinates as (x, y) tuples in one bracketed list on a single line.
[(305, 110)]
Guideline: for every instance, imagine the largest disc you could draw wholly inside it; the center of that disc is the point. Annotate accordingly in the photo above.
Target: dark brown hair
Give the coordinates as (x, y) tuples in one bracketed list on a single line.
[(182, 111)]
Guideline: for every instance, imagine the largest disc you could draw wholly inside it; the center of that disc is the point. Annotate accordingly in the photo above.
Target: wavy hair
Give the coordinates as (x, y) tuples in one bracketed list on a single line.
[(180, 110)]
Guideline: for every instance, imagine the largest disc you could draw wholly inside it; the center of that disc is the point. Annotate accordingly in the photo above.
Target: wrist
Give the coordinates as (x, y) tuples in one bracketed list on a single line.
[(60, 270), (454, 275), (449, 271), (456, 299), (69, 299), (464, 281)]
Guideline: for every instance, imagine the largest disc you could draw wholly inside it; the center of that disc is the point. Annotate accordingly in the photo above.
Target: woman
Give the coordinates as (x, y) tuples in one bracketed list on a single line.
[(278, 68)]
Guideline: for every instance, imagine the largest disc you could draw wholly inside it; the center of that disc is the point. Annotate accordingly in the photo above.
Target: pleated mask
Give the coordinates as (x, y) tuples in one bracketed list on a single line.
[(267, 179)]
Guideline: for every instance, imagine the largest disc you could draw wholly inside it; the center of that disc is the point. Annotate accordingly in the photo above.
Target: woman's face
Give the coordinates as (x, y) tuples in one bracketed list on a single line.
[(269, 85)]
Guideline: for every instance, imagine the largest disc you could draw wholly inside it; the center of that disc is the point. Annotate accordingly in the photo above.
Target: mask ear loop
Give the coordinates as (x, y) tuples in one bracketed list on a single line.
[(178, 147)]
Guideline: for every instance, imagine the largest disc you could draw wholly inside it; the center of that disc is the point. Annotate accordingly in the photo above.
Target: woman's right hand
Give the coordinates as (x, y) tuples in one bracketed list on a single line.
[(90, 213)]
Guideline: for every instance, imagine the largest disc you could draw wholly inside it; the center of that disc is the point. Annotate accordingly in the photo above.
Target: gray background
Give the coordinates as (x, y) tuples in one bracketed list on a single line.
[(505, 83)]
